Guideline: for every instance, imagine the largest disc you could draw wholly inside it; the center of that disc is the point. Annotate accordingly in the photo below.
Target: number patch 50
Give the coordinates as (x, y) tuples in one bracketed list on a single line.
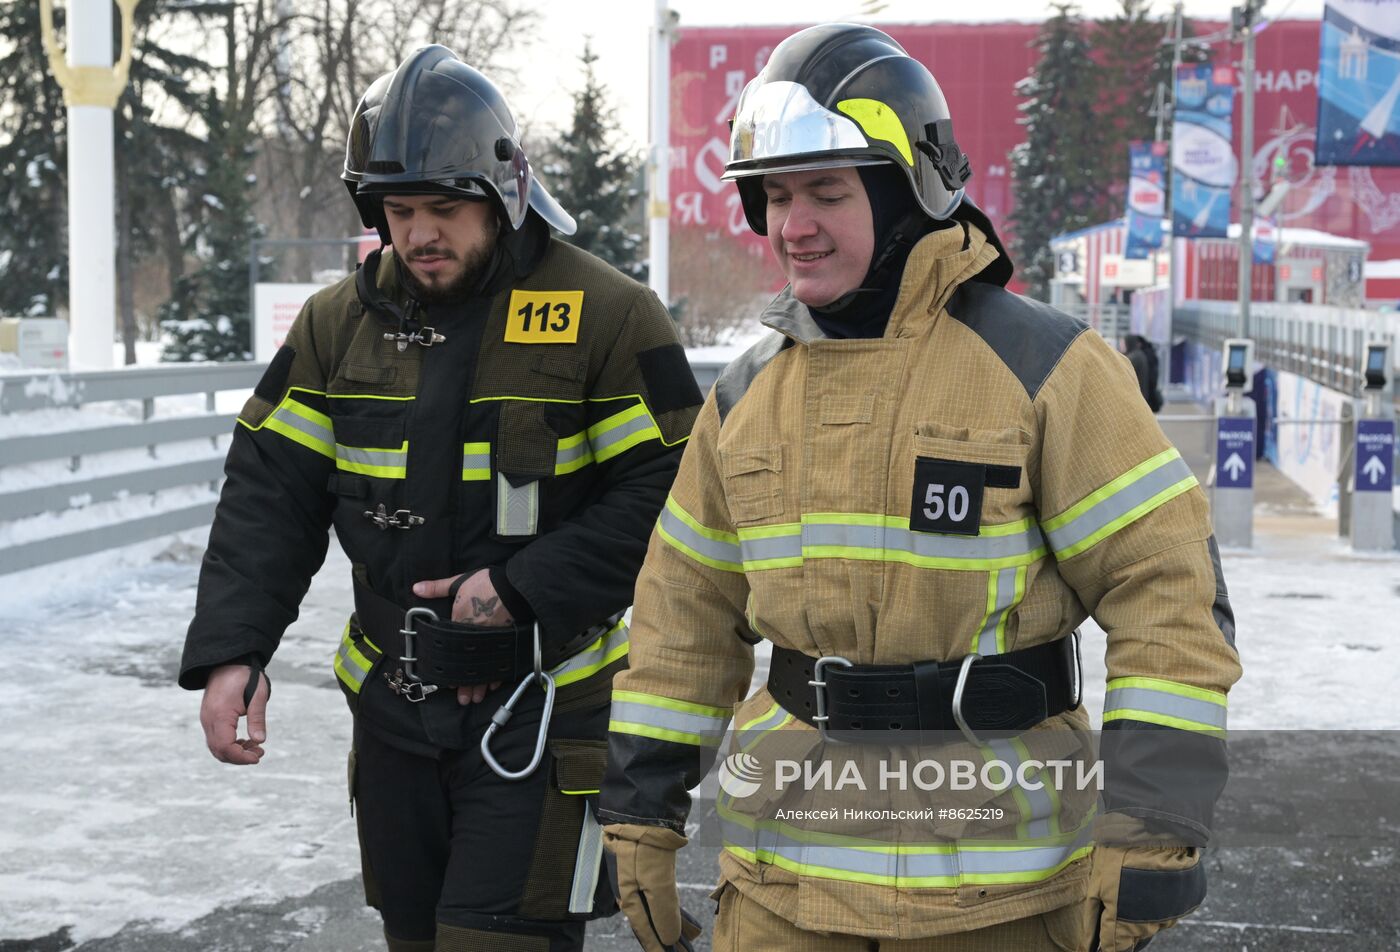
[(543, 317), (947, 496)]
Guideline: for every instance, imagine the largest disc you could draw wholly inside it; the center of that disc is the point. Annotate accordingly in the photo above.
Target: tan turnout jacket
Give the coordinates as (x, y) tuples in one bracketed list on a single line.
[(790, 520)]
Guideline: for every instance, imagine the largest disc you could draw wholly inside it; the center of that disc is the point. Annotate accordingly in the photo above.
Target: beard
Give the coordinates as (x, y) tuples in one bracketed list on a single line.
[(474, 265)]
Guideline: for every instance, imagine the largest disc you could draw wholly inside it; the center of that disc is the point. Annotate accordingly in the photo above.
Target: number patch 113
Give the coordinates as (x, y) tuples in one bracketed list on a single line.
[(544, 317), (947, 496)]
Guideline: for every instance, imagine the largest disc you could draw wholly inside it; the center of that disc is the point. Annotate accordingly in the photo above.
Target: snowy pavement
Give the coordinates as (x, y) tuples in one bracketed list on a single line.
[(120, 832)]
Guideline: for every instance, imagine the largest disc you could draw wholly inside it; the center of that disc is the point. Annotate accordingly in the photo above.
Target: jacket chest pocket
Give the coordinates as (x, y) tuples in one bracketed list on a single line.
[(753, 482), (966, 481), (538, 438)]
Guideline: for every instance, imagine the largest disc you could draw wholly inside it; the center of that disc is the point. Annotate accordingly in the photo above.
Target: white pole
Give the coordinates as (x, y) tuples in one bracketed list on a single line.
[(91, 198), (659, 207), (1247, 14)]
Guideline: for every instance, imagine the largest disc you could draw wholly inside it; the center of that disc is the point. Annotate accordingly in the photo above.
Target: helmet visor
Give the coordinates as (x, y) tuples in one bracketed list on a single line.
[(780, 127)]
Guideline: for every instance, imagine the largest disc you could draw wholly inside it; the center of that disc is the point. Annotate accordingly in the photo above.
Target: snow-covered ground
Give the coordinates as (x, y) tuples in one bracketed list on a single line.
[(114, 811)]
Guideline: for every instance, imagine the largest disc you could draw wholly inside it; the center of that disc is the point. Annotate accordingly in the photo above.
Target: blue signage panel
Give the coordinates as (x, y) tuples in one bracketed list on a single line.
[(1375, 455), (1234, 453)]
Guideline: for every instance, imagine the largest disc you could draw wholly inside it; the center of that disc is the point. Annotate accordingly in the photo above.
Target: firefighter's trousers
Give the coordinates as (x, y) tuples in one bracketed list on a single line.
[(457, 859)]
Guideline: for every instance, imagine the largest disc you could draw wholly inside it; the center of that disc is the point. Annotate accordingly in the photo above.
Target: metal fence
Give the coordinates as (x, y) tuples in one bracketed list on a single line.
[(1323, 344), (1112, 321), (23, 393)]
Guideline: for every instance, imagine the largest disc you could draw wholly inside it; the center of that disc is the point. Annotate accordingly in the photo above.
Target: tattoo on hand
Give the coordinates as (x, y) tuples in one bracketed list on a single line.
[(484, 608)]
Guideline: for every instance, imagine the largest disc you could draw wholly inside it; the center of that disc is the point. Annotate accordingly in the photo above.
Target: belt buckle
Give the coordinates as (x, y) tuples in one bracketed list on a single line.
[(405, 682), (967, 732), (818, 684)]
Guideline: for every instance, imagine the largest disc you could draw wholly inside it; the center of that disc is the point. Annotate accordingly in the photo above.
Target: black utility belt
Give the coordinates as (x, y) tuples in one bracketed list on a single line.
[(983, 697), (423, 649), (425, 652)]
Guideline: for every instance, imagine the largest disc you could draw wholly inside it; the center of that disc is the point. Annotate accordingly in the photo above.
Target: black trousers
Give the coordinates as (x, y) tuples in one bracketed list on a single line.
[(451, 848)]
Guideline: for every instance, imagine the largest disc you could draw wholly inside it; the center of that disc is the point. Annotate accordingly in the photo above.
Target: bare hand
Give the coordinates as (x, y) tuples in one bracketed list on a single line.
[(223, 706), (477, 604)]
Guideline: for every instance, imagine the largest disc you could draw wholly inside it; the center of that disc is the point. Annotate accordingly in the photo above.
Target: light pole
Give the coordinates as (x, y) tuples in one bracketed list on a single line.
[(1242, 20), (91, 86), (659, 203)]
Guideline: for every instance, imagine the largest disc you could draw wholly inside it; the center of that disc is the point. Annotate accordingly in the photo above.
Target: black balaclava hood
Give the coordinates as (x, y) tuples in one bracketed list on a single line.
[(898, 224), (514, 256)]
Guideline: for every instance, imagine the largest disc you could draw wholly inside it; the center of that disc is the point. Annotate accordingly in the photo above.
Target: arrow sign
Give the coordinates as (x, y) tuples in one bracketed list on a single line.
[(1375, 450), (1234, 453), (1374, 469)]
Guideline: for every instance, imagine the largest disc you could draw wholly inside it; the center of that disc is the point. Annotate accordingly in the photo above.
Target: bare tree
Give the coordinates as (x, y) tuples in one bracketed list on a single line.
[(326, 56), (717, 285)]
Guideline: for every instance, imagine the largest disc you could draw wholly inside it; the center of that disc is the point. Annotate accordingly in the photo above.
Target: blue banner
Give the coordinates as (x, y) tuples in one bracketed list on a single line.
[(1147, 198), (1359, 83), (1265, 241), (1203, 161)]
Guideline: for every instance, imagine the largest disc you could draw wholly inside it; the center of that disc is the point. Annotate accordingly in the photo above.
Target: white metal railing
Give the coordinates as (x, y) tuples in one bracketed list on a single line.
[(1112, 321), (1323, 344), (35, 430), (33, 434)]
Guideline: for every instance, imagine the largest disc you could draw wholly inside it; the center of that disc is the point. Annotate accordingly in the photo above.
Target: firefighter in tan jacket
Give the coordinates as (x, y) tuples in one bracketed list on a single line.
[(916, 488)]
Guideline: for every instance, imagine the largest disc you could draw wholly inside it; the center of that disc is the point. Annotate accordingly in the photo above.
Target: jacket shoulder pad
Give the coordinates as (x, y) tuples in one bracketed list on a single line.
[(1029, 337)]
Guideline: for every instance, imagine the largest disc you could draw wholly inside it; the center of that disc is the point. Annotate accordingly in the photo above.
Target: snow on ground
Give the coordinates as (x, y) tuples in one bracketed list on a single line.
[(114, 811)]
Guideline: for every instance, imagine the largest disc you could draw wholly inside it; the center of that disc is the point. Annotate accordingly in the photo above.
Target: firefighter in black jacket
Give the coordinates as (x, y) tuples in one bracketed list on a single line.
[(490, 419)]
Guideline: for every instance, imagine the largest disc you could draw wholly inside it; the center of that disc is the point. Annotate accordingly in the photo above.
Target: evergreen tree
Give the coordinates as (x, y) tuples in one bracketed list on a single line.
[(1056, 177), (209, 317), (1128, 48), (33, 170), (595, 179), (153, 158)]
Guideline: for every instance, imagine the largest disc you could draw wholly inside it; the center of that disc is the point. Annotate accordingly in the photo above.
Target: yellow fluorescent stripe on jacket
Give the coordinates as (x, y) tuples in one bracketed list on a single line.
[(383, 463), (865, 536), (622, 431), (300, 423), (350, 664), (599, 443), (476, 461), (1167, 703), (904, 865), (1120, 503), (664, 718), (594, 658)]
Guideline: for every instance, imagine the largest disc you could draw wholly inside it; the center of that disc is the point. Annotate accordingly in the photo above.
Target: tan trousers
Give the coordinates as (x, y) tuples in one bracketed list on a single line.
[(745, 926)]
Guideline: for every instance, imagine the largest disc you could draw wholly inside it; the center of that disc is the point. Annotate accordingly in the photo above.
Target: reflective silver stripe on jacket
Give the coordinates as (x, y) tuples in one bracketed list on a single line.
[(1118, 504), (906, 865), (517, 507)]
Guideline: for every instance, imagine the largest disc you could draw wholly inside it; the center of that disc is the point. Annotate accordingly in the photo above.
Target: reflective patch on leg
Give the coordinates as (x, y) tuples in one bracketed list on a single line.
[(590, 856)]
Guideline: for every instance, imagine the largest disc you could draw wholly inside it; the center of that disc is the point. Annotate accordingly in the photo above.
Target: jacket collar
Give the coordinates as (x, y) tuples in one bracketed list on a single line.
[(939, 263)]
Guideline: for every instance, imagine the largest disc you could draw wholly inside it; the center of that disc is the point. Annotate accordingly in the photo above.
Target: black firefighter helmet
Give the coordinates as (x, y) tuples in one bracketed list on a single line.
[(843, 94), (436, 126)]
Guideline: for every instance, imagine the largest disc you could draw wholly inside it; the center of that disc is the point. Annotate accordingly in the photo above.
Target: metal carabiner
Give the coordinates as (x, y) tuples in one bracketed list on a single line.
[(503, 715)]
